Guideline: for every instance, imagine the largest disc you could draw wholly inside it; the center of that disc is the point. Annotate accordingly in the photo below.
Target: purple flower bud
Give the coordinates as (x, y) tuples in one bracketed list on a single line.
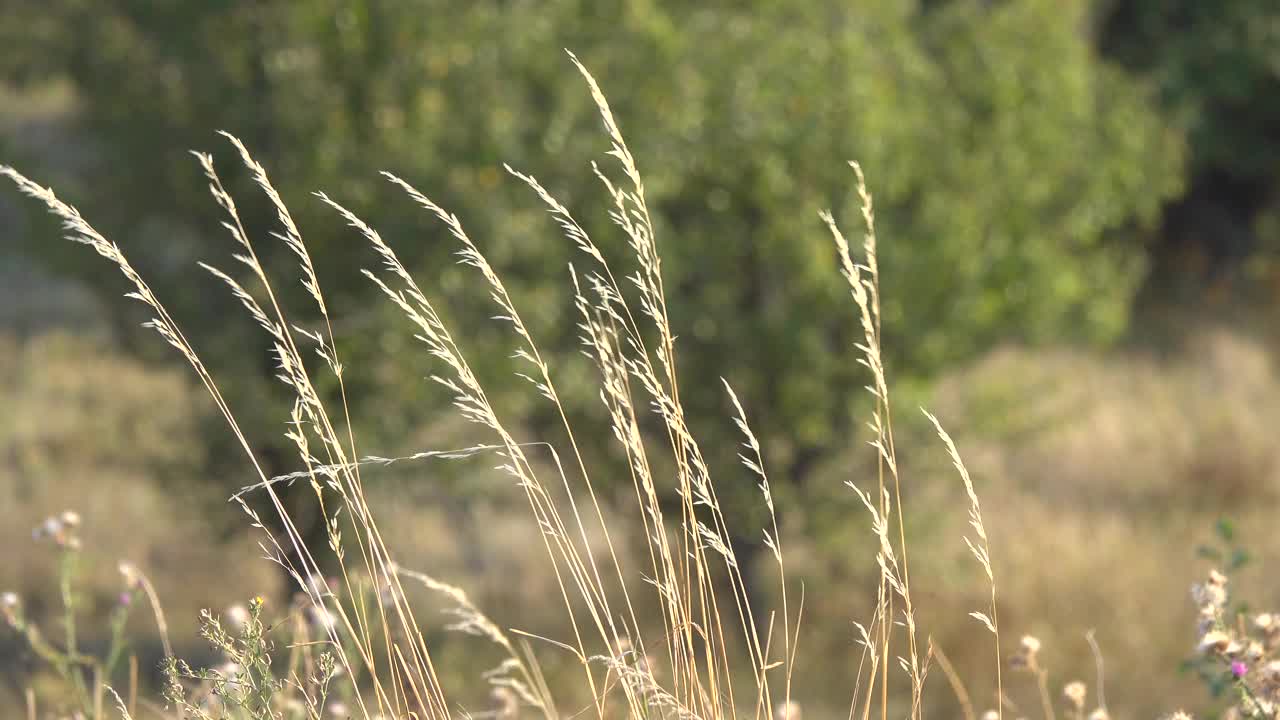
[(1238, 669), (126, 599)]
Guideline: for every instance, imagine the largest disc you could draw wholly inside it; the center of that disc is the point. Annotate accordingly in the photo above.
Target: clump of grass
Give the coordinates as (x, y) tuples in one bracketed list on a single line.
[(711, 639), (253, 681)]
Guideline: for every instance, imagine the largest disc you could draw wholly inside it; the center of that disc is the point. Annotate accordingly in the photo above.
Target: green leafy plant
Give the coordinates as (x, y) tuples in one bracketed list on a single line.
[(246, 686), (1238, 653)]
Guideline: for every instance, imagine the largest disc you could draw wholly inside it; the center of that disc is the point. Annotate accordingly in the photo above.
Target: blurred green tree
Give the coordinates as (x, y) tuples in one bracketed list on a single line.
[(1216, 68), (1008, 161)]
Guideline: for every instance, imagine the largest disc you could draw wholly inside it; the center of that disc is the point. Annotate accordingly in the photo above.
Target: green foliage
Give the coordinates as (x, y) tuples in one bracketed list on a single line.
[(1226, 553), (246, 687), (1215, 67), (1006, 172)]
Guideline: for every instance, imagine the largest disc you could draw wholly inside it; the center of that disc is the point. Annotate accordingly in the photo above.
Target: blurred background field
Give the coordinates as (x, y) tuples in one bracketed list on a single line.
[(1079, 211)]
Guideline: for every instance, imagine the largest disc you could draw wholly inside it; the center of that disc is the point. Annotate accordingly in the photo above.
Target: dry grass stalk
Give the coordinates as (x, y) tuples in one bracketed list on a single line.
[(692, 569)]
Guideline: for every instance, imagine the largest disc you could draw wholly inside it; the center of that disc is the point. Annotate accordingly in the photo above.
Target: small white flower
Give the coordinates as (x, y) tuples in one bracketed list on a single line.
[(70, 518), (129, 573), (1030, 644), (237, 616), (49, 528), (1209, 594), (9, 608), (1074, 692), (1254, 651)]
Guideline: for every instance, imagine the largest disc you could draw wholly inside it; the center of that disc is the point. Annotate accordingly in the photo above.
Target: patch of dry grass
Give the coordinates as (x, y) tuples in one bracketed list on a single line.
[(1101, 474), (665, 627)]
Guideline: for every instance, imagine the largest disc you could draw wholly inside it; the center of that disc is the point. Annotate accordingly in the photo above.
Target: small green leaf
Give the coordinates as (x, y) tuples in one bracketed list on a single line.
[(1226, 529), (1239, 558)]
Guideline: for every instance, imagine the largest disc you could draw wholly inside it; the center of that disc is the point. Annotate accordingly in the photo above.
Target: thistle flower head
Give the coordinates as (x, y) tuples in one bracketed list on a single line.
[(10, 604), (61, 529), (1074, 693), (1026, 656), (1207, 619), (1214, 641), (51, 527), (132, 578), (1253, 652), (1030, 644), (1209, 595)]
